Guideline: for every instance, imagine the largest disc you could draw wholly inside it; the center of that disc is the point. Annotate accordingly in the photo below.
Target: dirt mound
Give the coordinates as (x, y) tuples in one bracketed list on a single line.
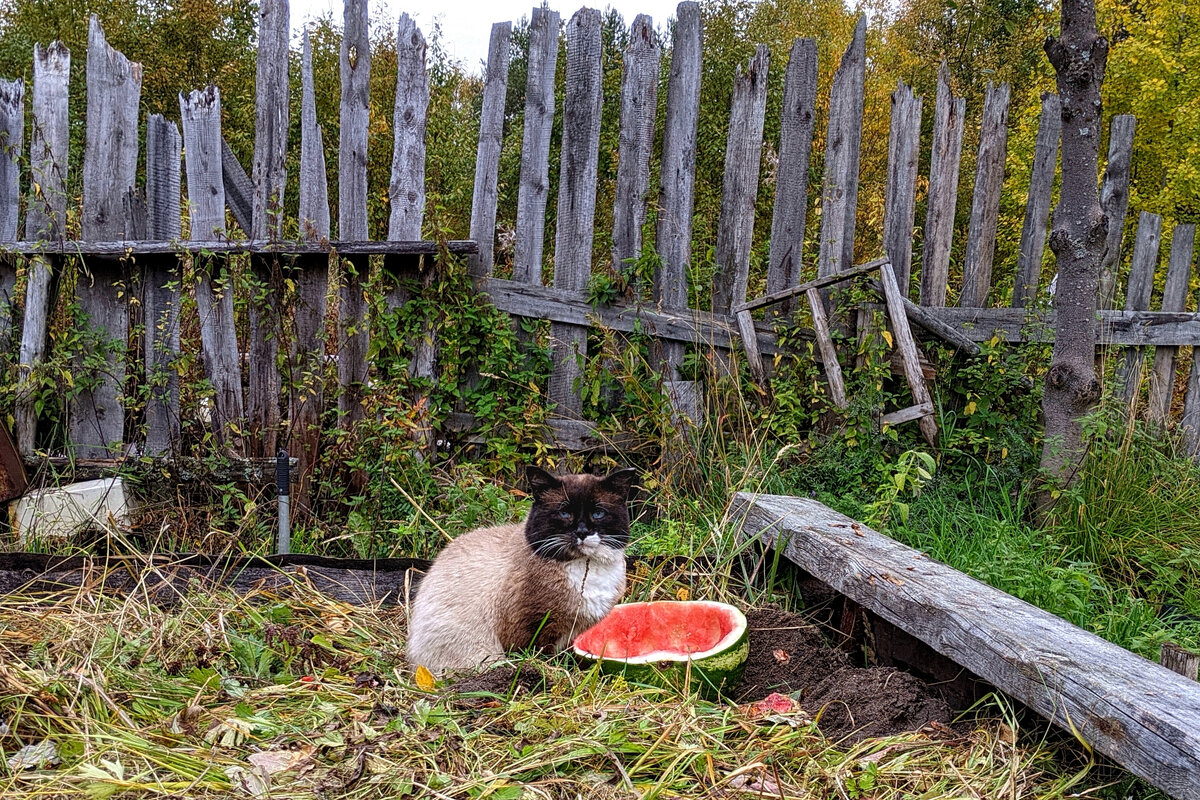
[(788, 655)]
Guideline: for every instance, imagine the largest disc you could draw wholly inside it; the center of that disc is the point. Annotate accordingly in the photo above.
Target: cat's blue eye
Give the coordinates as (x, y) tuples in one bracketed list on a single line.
[(565, 515), (599, 514)]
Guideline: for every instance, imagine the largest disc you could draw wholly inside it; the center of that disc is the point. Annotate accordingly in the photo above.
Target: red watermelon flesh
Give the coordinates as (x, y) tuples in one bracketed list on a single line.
[(640, 629)]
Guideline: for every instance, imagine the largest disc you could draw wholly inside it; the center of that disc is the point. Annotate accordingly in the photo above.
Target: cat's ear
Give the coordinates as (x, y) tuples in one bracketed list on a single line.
[(620, 481), (540, 481)]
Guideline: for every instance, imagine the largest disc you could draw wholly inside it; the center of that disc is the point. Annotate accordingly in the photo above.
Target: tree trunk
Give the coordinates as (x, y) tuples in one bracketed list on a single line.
[(1078, 240)]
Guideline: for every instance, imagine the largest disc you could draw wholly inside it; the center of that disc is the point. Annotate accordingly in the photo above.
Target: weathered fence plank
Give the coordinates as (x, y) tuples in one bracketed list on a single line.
[(985, 203), (354, 330), (639, 105), (114, 85), (576, 201), (407, 189), (739, 190), (1037, 206), (1179, 273), (786, 257), (943, 191), (45, 216), (486, 198), (535, 146), (270, 178), (200, 113), (1189, 422), (306, 390), (12, 132), (239, 190), (1114, 201), (677, 175), (1117, 328), (839, 198), (1137, 298), (1142, 715), (833, 370), (160, 301), (908, 351), (12, 139), (900, 202)]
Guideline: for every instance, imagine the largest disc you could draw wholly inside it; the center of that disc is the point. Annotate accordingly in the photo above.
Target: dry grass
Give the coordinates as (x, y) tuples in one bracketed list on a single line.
[(290, 694)]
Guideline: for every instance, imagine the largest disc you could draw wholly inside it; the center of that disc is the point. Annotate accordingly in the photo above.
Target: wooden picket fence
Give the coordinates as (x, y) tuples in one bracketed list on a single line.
[(127, 233)]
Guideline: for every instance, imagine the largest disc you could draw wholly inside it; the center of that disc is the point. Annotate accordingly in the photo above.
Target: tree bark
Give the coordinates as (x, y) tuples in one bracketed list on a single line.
[(1078, 241)]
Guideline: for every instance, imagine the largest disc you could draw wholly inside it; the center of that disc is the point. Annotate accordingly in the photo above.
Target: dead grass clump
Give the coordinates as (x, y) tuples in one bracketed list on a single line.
[(288, 693)]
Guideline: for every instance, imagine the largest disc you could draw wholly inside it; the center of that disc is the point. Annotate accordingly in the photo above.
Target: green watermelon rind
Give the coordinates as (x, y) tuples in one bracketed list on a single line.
[(710, 675)]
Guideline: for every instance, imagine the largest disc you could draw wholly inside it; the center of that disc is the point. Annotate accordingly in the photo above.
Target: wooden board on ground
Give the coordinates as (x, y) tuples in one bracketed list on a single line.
[(1140, 714)]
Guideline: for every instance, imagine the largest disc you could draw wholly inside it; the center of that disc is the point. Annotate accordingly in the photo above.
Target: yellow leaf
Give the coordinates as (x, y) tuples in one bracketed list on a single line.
[(887, 337), (424, 679), (682, 594), (970, 409), (1003, 452)]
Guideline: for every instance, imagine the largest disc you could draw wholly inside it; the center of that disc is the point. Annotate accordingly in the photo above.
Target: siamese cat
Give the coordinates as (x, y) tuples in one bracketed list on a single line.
[(535, 584)]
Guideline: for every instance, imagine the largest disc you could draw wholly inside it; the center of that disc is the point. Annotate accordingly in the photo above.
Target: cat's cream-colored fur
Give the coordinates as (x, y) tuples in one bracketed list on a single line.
[(488, 594)]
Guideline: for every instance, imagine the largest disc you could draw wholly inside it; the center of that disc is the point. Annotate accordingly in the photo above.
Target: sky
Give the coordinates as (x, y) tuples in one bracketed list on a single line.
[(467, 24)]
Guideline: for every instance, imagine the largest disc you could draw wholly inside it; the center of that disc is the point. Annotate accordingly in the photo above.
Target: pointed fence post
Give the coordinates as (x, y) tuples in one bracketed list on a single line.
[(786, 257), (12, 134), (1114, 200), (943, 191), (677, 178), (114, 86), (270, 178), (1179, 273), (1137, 298), (45, 217), (899, 209), (160, 301), (200, 112), (1037, 206), (576, 203), (739, 190), (487, 158), (354, 330), (985, 203)]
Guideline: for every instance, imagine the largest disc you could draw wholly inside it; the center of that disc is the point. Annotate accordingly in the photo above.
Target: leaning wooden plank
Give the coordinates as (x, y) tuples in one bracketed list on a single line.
[(745, 323), (269, 172), (573, 308), (639, 105), (1114, 200), (239, 191), (1121, 328), (833, 370), (487, 158), (200, 113), (12, 132), (1137, 298), (816, 283), (985, 202), (114, 86), (791, 178), (1179, 273), (407, 189), (943, 191), (307, 387), (534, 187), (839, 198), (739, 190), (900, 202), (160, 299), (576, 202), (677, 175), (1037, 206), (908, 350), (1138, 713), (907, 414), (45, 218)]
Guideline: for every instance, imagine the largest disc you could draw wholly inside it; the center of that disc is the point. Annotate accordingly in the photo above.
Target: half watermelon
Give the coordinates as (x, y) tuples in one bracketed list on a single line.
[(661, 643)]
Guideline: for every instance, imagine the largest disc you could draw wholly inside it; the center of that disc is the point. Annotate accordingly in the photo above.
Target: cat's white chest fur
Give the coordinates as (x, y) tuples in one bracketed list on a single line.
[(600, 583)]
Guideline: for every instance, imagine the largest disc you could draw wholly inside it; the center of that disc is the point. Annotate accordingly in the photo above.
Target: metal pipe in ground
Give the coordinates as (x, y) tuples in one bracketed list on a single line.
[(283, 481)]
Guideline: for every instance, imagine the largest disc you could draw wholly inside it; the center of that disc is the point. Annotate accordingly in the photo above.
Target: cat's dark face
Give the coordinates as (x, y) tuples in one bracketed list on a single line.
[(578, 516)]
